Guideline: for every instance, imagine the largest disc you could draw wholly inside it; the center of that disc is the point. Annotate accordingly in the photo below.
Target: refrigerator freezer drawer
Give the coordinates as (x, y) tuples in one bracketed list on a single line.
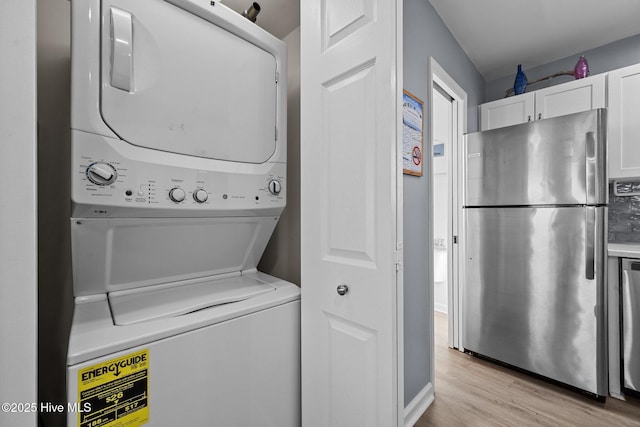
[(534, 291), (631, 323)]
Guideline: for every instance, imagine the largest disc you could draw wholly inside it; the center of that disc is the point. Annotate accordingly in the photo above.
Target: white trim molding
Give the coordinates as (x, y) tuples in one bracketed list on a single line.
[(418, 405)]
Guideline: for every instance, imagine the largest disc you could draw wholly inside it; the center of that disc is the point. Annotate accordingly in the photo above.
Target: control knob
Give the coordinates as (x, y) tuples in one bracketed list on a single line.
[(101, 173), (177, 194), (275, 187), (200, 195)]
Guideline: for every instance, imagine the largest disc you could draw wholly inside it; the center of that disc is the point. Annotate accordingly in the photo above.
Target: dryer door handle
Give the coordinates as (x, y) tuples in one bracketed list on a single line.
[(121, 50)]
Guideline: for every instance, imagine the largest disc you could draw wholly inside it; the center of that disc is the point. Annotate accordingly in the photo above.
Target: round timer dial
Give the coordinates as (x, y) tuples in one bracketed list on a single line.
[(200, 195), (275, 187), (177, 194), (101, 173)]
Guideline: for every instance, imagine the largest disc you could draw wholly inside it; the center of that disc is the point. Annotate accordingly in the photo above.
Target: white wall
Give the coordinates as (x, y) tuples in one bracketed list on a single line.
[(18, 258), (282, 256)]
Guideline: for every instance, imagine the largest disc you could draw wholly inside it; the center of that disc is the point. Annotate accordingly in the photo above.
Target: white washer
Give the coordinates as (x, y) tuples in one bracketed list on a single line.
[(178, 180)]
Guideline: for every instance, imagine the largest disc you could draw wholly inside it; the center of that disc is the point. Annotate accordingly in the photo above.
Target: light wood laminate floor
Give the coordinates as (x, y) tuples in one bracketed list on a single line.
[(473, 392)]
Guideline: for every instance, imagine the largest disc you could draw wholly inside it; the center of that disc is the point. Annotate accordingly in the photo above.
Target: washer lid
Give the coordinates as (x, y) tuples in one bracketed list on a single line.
[(129, 307), (175, 82)]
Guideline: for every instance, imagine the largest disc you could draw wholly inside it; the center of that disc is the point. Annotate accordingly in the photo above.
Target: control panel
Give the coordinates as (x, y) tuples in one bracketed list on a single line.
[(106, 183)]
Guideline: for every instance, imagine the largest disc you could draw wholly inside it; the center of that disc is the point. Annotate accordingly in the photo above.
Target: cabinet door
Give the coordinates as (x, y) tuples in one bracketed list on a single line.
[(506, 112), (572, 97), (624, 126)]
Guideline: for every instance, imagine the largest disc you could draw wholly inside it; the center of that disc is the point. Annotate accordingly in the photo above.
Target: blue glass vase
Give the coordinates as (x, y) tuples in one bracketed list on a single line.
[(520, 84)]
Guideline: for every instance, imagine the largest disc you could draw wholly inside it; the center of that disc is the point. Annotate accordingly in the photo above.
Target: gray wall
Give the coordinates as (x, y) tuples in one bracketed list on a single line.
[(601, 59), (426, 35), (282, 256)]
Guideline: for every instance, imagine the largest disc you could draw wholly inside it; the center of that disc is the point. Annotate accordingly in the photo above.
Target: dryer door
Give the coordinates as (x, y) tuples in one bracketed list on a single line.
[(175, 82)]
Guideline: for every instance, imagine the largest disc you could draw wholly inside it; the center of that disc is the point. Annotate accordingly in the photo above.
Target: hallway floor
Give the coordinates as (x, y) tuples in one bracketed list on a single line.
[(473, 392)]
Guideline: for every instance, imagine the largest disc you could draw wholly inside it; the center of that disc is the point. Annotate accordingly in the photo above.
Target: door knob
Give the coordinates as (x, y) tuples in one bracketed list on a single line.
[(342, 289)]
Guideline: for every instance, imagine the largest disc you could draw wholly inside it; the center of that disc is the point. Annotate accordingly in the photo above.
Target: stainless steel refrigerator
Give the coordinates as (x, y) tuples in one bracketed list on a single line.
[(535, 217)]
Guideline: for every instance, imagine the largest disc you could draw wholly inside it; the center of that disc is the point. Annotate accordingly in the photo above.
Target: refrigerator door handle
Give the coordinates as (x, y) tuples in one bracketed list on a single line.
[(590, 159), (596, 162), (590, 244)]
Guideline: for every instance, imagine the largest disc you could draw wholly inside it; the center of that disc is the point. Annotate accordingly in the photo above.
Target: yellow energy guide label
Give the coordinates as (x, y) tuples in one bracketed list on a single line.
[(117, 391)]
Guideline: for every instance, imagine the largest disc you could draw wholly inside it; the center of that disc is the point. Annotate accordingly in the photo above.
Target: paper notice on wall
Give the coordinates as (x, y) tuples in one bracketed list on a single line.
[(412, 131)]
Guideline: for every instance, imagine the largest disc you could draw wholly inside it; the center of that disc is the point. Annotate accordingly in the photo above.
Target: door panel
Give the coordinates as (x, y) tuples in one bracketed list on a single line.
[(350, 186), (630, 298), (571, 97), (230, 114), (528, 299), (543, 162), (343, 18), (118, 254), (352, 355), (243, 372), (624, 126), (506, 112)]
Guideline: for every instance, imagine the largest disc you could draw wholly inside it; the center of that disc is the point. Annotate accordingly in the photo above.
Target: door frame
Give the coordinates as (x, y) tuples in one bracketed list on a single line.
[(438, 76), (399, 250)]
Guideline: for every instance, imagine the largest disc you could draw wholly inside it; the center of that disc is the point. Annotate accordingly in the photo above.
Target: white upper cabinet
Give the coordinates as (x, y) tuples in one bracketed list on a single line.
[(567, 98), (572, 97), (506, 112), (624, 122)]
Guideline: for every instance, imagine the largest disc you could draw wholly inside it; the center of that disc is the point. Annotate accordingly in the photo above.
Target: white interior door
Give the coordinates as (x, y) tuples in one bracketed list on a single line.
[(351, 212)]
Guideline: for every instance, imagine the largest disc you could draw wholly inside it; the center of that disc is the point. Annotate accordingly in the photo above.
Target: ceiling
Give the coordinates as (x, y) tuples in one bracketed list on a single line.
[(497, 35), (279, 17)]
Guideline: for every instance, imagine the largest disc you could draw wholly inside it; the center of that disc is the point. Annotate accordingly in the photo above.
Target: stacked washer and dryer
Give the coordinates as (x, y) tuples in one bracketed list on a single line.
[(178, 181)]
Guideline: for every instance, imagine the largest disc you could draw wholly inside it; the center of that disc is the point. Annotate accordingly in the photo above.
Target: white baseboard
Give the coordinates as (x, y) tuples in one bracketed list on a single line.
[(418, 405)]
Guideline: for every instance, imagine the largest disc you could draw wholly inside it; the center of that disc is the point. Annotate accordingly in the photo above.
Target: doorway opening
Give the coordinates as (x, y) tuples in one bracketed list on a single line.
[(442, 105), (448, 125)]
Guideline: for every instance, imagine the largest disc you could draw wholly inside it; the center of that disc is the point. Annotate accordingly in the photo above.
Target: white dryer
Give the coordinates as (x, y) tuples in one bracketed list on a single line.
[(178, 180)]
